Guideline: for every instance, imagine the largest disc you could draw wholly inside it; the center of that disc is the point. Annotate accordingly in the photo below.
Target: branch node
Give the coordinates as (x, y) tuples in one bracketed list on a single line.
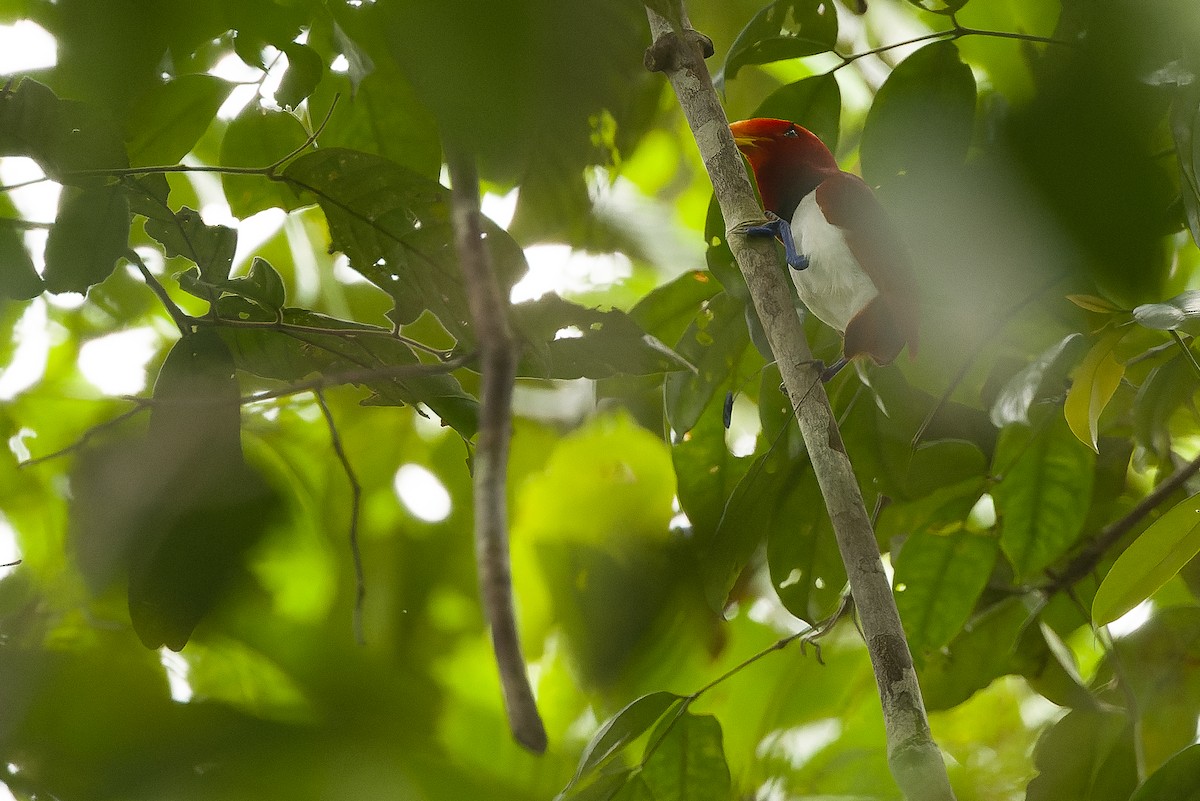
[(668, 53)]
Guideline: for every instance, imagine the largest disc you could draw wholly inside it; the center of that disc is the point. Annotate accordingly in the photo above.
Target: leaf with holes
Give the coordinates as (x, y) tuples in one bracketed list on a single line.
[(395, 226)]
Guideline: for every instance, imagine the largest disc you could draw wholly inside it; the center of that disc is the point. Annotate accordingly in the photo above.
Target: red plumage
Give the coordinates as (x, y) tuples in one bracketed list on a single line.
[(859, 279)]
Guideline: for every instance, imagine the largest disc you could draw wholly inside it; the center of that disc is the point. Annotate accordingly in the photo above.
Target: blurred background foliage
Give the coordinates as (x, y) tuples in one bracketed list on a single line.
[(183, 621)]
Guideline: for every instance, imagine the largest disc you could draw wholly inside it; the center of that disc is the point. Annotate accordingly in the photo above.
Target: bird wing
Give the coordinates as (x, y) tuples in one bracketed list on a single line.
[(848, 203)]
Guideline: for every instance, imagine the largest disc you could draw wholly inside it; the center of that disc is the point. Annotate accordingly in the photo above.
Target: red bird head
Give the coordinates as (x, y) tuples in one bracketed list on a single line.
[(789, 161)]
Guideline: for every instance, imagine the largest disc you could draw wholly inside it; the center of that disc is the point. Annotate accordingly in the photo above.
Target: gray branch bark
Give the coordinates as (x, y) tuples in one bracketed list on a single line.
[(914, 759), (498, 367)]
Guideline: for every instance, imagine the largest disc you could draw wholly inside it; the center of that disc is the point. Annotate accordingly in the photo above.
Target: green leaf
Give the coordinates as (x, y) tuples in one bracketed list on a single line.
[(978, 654), (1180, 312), (1043, 495), (1185, 127), (714, 343), (784, 29), (1149, 562), (938, 579), (805, 565), (566, 340), (1094, 383), (686, 762), (304, 71), (378, 112), (395, 226), (1174, 781), (358, 63), (262, 285), (89, 235), (210, 247), (198, 508), (259, 138), (62, 136), (922, 117), (170, 118), (669, 309), (815, 103), (1166, 389), (619, 731), (284, 356), (1016, 396), (1086, 756), (18, 278)]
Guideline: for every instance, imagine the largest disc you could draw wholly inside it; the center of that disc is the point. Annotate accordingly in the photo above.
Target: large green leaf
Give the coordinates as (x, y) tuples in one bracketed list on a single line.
[(259, 138), (170, 118), (1149, 562), (619, 731), (1159, 662), (939, 577), (566, 340), (210, 247), (714, 343), (815, 103), (1043, 495), (1174, 781), (62, 136), (1015, 398), (980, 652), (174, 512), (304, 71), (395, 226), (922, 117), (685, 760), (1086, 756), (89, 235), (784, 29), (327, 345)]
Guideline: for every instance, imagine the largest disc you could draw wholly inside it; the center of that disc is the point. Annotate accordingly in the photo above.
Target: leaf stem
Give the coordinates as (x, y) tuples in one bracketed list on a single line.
[(360, 579)]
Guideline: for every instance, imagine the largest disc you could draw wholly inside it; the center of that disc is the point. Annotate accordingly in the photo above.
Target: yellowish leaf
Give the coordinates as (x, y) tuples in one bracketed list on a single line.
[(1094, 382)]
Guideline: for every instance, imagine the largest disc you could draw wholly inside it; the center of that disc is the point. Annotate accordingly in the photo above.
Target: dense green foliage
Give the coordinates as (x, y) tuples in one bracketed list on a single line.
[(310, 392)]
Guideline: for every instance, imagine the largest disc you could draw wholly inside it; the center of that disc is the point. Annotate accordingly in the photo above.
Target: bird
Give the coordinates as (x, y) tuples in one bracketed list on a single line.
[(847, 259)]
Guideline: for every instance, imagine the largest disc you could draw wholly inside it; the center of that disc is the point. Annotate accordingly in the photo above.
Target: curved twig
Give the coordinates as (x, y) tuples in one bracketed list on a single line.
[(498, 360), (360, 578)]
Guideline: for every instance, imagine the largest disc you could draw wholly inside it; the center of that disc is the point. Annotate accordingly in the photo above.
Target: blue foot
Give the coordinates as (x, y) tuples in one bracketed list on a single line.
[(780, 229)]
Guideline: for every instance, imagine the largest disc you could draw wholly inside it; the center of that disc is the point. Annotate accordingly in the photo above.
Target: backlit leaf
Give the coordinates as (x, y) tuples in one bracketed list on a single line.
[(169, 118), (688, 762), (1149, 562), (782, 30), (922, 117), (1094, 383), (1016, 396), (1043, 495), (89, 235), (942, 576)]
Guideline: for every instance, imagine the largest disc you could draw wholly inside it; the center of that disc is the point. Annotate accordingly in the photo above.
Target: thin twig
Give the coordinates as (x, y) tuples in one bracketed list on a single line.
[(142, 405), (182, 321), (364, 376), (360, 579), (957, 32), (346, 333), (1110, 535), (11, 564), (498, 363), (972, 355), (29, 225), (1187, 352)]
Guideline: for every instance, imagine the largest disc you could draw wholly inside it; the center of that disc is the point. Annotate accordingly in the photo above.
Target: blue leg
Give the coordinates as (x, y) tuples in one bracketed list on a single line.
[(780, 229)]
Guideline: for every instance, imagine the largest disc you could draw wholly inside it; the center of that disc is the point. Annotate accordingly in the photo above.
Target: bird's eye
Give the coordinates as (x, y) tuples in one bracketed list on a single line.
[(791, 132)]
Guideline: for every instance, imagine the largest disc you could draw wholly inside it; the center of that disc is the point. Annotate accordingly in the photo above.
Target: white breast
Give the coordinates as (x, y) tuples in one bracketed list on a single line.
[(834, 287)]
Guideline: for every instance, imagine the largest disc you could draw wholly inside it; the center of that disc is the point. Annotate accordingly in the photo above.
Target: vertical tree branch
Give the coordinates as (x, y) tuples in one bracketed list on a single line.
[(498, 366), (914, 759)]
